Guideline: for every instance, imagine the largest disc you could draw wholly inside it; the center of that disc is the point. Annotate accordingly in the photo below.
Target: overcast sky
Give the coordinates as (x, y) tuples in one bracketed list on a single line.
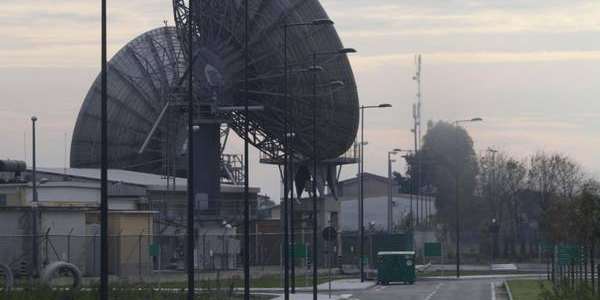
[(529, 68)]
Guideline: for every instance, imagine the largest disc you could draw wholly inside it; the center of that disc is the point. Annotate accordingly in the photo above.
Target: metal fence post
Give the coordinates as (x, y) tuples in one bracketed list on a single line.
[(204, 251), (140, 255), (69, 245)]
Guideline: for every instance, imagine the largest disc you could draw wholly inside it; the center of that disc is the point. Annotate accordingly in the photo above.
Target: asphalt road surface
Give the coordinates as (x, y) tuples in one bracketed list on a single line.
[(467, 289)]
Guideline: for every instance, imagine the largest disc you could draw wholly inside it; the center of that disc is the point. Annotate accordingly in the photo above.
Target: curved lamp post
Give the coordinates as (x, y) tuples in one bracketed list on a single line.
[(457, 195)]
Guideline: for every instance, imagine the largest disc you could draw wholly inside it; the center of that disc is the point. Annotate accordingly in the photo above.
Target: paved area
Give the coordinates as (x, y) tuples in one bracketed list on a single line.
[(320, 297), (472, 289), (337, 286), (486, 287)]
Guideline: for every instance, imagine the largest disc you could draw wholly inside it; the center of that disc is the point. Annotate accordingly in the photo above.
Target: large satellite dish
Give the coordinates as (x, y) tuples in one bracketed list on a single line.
[(147, 86), (219, 32), (142, 77)]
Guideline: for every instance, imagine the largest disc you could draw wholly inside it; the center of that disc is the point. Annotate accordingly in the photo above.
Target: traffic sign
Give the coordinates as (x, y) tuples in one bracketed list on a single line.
[(433, 249), (300, 250)]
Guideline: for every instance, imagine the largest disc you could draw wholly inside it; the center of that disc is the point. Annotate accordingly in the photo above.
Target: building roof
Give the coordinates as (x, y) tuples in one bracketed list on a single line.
[(150, 181), (367, 176)]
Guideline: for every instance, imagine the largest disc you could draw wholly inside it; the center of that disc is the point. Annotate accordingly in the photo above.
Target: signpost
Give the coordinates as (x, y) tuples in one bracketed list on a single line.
[(433, 249)]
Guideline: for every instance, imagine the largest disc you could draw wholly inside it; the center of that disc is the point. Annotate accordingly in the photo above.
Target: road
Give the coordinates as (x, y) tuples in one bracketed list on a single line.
[(471, 289)]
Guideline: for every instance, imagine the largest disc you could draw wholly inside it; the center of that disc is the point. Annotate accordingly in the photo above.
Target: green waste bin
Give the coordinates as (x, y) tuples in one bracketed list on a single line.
[(396, 266)]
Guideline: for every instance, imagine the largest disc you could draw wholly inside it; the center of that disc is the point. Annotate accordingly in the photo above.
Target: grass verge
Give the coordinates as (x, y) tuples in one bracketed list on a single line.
[(523, 289)]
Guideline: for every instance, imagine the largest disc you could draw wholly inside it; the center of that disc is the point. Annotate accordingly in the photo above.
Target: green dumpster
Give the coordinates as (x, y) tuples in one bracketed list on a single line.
[(396, 266)]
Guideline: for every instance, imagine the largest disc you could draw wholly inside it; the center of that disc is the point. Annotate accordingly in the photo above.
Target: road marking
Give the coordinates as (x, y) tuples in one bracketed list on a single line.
[(380, 288), (345, 296), (493, 291), (437, 288)]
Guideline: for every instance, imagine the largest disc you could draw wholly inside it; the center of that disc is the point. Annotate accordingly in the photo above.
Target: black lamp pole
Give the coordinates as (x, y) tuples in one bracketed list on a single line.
[(314, 182), (286, 278), (361, 200), (314, 69), (190, 178), (34, 205), (246, 162), (104, 162), (457, 194), (288, 163)]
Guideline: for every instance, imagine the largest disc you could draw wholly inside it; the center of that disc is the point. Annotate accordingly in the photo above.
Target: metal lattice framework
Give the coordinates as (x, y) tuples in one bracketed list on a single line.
[(218, 28), (146, 87), (143, 77)]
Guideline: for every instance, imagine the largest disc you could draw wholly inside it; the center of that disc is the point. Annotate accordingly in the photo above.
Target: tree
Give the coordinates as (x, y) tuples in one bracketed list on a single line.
[(449, 164), (403, 182), (501, 182), (556, 178)]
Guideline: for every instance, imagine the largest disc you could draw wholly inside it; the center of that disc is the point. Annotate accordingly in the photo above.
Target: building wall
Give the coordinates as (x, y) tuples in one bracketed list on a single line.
[(63, 237), (376, 211), (14, 227), (65, 194), (131, 236)]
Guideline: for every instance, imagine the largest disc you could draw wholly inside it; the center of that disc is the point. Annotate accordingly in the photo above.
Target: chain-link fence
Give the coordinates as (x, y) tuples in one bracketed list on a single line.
[(148, 257), (158, 261)]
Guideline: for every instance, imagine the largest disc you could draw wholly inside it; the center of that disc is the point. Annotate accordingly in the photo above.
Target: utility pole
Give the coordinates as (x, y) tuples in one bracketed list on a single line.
[(190, 176), (417, 134), (34, 204), (457, 176), (246, 162), (104, 160), (415, 177)]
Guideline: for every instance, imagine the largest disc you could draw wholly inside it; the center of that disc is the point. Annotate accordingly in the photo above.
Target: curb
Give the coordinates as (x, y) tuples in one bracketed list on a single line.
[(451, 278), (510, 297), (306, 289)]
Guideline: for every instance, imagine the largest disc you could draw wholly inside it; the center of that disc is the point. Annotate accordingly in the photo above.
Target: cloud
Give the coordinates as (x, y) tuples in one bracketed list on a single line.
[(376, 61), (453, 17)]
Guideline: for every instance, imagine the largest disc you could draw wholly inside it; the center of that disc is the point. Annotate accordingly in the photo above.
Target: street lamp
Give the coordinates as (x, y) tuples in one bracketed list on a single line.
[(334, 83), (361, 208), (34, 204), (494, 225), (390, 203), (494, 231), (457, 175), (288, 152), (190, 238)]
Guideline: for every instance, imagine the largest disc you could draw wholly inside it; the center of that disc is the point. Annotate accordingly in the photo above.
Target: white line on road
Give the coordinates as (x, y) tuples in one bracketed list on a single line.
[(437, 288), (493, 291)]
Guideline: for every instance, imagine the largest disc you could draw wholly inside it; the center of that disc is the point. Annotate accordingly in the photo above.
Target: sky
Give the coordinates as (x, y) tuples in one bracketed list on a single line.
[(529, 68)]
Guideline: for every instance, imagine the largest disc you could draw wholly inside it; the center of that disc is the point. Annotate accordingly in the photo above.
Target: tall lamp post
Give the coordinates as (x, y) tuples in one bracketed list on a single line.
[(457, 195), (104, 157), (288, 154), (34, 204), (246, 157), (361, 208), (315, 157), (390, 202)]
